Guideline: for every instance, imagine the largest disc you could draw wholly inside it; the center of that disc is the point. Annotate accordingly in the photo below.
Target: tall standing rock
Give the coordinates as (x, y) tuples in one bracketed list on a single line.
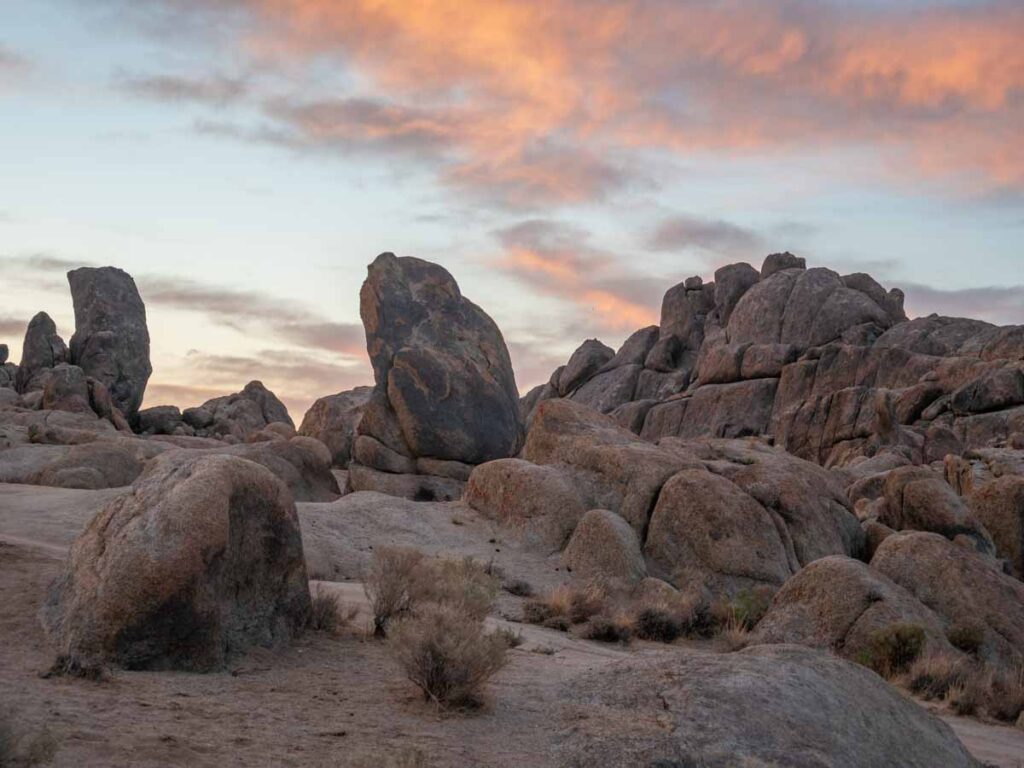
[(444, 382), (43, 348), (111, 340)]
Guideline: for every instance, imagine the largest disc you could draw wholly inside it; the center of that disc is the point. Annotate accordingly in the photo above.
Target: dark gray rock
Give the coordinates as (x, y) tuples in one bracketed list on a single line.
[(444, 380), (159, 420), (43, 348), (731, 282), (776, 262), (587, 360), (111, 339)]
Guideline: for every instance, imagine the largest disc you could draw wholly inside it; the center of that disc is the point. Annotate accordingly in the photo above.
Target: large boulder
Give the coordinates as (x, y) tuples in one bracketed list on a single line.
[(608, 466), (100, 463), (111, 339), (957, 583), (999, 506), (537, 502), (42, 349), (587, 360), (333, 419), (302, 463), (837, 603), (769, 705), (201, 561), (444, 382), (603, 546), (916, 498)]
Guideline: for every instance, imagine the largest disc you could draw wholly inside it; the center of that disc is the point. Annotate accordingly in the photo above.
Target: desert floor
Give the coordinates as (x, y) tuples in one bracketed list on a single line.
[(324, 701)]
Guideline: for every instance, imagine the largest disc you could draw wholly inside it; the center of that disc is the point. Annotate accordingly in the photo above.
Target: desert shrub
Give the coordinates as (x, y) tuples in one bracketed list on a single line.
[(608, 629), (389, 584), (698, 620), (69, 665), (657, 624), (463, 583), (519, 588), (446, 653), (749, 606), (734, 635), (932, 677), (586, 602), (558, 623), (892, 649), (966, 698), (1006, 694), (536, 611), (512, 638), (327, 614), (967, 636), (573, 605)]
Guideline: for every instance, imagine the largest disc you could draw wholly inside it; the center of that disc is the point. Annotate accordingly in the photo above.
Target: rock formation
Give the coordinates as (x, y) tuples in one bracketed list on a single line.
[(42, 349), (445, 393), (200, 562), (111, 340), (764, 706), (333, 419), (826, 365)]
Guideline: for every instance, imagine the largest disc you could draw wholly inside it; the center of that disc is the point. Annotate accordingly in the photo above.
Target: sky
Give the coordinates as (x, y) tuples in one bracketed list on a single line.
[(566, 160)]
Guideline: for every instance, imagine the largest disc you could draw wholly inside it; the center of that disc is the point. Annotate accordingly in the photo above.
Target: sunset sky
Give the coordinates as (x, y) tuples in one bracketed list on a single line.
[(567, 160)]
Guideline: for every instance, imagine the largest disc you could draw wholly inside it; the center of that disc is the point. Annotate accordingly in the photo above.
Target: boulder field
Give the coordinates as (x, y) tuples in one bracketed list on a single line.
[(783, 431)]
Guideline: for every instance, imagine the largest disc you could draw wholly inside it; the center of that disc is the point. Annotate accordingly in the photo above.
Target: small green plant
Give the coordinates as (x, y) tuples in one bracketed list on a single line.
[(512, 638), (932, 677), (750, 605), (891, 650), (327, 614)]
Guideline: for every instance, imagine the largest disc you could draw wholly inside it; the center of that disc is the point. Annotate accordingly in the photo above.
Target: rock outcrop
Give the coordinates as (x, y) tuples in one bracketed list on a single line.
[(770, 705), (333, 419), (837, 604), (235, 417), (201, 561), (444, 386), (827, 365), (42, 350), (955, 582), (604, 546), (111, 339)]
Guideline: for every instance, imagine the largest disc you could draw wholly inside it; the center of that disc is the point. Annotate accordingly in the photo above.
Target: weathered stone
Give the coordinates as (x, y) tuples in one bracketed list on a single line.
[(412, 487), (4, 353), (238, 415), (837, 603), (635, 349), (585, 362), (43, 348), (919, 499), (608, 466), (302, 463), (956, 582), (770, 705), (65, 389), (333, 419), (604, 546), (731, 282), (441, 362), (200, 562), (456, 470), (111, 340), (707, 534), (993, 391), (776, 262), (999, 506), (607, 391), (370, 452), (535, 501), (159, 420)]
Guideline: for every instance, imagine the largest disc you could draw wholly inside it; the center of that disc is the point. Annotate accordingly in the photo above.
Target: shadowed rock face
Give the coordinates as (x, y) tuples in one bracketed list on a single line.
[(332, 420), (111, 340), (444, 382)]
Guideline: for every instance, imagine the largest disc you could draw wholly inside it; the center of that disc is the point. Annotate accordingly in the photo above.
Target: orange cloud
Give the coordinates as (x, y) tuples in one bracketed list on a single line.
[(531, 102)]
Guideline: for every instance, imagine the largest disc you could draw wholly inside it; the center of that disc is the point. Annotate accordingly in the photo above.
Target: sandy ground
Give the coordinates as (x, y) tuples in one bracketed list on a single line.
[(325, 701)]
